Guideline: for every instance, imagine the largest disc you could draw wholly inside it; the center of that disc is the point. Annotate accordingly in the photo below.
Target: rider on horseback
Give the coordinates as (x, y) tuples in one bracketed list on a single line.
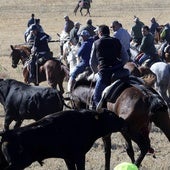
[(136, 33), (147, 47), (165, 36), (39, 50), (108, 57)]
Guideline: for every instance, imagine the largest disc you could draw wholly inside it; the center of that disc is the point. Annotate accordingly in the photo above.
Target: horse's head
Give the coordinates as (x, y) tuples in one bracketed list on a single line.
[(17, 54)]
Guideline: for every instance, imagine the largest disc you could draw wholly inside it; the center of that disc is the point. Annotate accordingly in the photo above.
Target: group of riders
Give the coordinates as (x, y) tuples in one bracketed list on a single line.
[(103, 53)]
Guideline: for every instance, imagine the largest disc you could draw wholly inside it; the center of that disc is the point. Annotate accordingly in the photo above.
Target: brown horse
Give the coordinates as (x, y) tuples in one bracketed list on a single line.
[(52, 70), (83, 4), (139, 107)]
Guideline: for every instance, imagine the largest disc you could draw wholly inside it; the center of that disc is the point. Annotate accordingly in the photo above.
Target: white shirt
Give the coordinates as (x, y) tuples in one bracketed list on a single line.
[(124, 37)]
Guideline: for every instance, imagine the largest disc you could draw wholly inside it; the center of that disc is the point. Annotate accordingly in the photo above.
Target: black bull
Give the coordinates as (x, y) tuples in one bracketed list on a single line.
[(23, 101), (67, 134)]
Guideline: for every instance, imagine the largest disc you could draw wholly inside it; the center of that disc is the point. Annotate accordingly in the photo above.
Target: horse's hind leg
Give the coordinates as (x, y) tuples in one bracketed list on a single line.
[(107, 150), (143, 143), (81, 12), (88, 12), (129, 147)]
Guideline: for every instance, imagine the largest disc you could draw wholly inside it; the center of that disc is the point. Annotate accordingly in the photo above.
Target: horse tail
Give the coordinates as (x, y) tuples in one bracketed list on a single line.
[(76, 8)]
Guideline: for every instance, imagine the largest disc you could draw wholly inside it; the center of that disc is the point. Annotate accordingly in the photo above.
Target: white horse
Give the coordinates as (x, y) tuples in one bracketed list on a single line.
[(68, 51), (162, 85), (70, 55)]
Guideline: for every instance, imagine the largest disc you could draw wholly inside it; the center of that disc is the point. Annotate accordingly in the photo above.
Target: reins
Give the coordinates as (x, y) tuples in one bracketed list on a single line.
[(89, 98)]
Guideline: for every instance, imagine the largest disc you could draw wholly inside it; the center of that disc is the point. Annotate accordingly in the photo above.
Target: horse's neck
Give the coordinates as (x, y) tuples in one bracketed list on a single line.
[(24, 57)]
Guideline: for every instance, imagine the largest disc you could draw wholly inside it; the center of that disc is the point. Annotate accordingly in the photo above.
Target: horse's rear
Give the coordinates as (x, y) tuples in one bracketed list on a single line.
[(83, 5), (139, 109), (53, 71)]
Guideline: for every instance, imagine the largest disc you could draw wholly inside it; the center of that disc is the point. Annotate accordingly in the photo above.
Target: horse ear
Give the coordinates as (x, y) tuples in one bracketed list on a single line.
[(12, 47)]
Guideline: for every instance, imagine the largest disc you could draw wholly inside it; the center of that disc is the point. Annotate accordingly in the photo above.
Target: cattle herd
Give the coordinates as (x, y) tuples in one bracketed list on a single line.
[(65, 134)]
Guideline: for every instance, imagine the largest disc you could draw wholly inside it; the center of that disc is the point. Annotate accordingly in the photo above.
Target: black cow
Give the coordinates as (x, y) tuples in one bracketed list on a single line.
[(22, 101), (66, 134)]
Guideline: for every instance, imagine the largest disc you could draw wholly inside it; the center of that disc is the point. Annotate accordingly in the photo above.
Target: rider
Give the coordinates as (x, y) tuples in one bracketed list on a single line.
[(107, 57), (136, 33), (40, 49), (31, 20), (154, 25), (89, 27), (147, 46), (122, 35), (84, 56), (165, 36), (74, 38), (28, 33), (69, 24)]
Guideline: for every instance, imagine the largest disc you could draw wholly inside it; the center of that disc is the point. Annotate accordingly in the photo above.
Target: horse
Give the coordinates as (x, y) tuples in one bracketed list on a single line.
[(83, 4), (138, 107), (53, 70)]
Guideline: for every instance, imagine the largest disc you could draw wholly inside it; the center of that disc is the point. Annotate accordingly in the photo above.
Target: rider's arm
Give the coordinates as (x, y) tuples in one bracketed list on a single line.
[(93, 60)]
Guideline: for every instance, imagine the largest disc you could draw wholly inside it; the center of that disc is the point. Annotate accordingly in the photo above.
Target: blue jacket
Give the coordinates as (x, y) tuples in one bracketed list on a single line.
[(85, 51)]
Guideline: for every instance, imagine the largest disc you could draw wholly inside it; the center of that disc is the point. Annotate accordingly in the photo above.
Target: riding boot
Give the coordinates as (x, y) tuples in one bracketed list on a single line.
[(31, 72), (71, 84)]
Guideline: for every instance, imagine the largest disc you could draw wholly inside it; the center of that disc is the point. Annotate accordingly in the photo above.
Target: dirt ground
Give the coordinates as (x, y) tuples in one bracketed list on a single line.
[(14, 15)]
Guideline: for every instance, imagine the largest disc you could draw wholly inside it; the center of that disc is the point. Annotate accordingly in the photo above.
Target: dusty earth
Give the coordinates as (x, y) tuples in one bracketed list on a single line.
[(14, 15)]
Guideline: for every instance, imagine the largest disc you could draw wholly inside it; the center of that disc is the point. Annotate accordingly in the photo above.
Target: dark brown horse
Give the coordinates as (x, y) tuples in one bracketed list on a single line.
[(139, 107), (52, 70), (83, 4)]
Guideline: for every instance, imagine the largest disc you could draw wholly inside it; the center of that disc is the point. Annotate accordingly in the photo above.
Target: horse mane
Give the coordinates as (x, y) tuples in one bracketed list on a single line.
[(22, 48)]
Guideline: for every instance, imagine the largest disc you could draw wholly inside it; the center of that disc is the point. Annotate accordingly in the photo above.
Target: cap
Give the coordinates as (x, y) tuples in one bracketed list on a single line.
[(34, 27), (126, 166), (77, 24), (85, 33)]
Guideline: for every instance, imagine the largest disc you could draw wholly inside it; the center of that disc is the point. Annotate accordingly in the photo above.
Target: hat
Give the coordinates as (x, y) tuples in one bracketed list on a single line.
[(126, 166), (89, 22), (34, 27), (153, 19), (66, 17), (97, 29), (85, 33), (136, 19), (77, 24)]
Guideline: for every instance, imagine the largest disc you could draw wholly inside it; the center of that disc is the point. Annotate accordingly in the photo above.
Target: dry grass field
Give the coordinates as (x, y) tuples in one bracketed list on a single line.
[(14, 15)]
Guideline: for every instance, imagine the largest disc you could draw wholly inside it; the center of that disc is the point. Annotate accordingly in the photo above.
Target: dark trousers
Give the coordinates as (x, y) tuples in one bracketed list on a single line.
[(34, 61)]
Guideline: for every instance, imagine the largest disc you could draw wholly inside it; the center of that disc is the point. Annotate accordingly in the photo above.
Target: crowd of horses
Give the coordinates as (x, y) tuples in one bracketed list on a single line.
[(139, 99)]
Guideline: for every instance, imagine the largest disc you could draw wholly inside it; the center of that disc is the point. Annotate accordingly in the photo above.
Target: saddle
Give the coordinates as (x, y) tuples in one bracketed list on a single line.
[(112, 92)]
